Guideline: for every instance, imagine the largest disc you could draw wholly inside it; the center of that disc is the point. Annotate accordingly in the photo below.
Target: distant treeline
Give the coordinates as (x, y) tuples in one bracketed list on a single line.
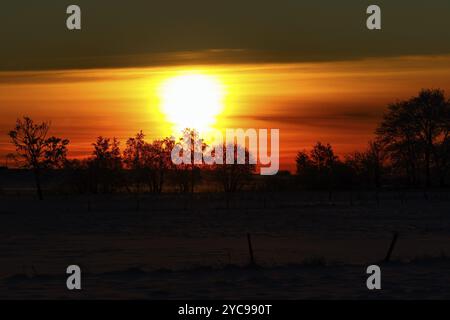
[(411, 148), (140, 167)]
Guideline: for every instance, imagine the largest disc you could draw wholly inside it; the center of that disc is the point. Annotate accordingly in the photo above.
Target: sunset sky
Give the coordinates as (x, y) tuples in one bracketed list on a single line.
[(310, 69)]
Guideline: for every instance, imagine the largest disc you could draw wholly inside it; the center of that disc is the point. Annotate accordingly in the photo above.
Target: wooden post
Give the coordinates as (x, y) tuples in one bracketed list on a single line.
[(391, 247), (250, 250)]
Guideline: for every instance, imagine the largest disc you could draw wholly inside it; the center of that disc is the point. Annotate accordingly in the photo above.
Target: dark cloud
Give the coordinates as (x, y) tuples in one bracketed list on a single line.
[(138, 32)]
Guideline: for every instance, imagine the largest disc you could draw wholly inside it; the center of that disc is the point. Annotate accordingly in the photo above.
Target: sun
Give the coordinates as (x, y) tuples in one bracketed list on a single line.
[(192, 100)]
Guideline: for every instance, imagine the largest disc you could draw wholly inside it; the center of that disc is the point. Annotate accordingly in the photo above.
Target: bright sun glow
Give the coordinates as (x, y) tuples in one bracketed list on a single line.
[(192, 101)]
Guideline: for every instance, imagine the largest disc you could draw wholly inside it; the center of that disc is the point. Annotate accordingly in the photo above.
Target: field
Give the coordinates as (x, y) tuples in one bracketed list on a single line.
[(175, 246)]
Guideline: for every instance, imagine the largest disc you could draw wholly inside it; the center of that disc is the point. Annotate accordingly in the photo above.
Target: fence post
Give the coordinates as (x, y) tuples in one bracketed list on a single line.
[(250, 250), (391, 247)]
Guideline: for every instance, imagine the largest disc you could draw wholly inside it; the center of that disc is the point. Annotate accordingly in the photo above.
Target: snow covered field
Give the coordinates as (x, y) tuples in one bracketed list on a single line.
[(172, 246)]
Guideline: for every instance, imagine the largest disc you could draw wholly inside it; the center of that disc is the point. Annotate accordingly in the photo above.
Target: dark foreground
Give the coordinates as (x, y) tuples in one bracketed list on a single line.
[(178, 247)]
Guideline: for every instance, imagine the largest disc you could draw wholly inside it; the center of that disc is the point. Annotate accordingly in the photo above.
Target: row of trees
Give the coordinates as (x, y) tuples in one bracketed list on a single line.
[(411, 147), (320, 168), (141, 166)]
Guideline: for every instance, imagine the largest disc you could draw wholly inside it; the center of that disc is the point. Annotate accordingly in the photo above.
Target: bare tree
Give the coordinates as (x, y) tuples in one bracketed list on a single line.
[(368, 165), (133, 158), (233, 177), (158, 162), (321, 168), (106, 163), (188, 175), (107, 153), (36, 150), (148, 162), (55, 153), (323, 157)]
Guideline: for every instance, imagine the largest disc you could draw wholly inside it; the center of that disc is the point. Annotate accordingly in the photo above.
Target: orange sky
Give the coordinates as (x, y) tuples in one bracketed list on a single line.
[(335, 102)]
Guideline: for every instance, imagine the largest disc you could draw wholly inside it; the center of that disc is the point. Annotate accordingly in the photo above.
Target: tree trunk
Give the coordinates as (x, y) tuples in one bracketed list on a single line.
[(427, 169), (192, 178), (38, 183)]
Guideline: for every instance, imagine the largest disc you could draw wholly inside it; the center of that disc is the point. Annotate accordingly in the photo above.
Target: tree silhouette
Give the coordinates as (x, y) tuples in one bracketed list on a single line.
[(55, 153), (36, 150), (149, 163), (367, 166), (134, 151), (311, 164), (107, 153), (106, 164), (133, 158), (321, 168), (232, 177), (158, 162), (413, 132), (323, 158), (187, 175)]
